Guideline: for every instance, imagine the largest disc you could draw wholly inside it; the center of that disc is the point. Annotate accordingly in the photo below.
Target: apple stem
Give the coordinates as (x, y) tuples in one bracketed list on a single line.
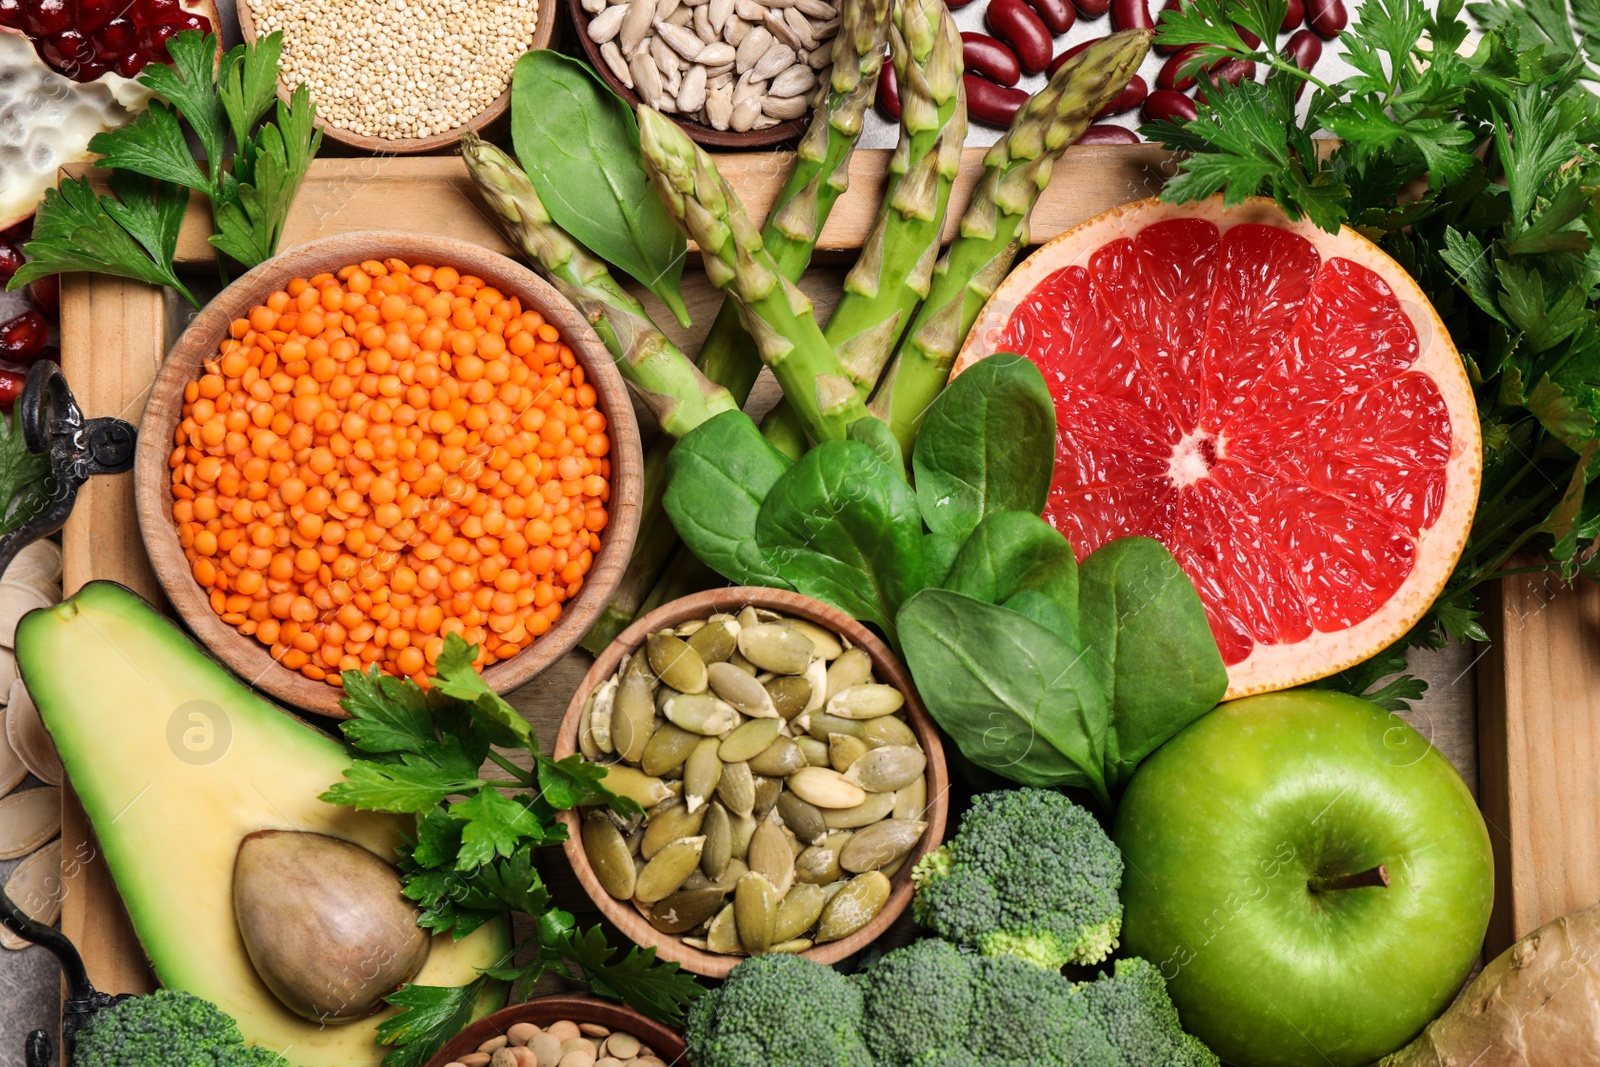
[(1376, 878)]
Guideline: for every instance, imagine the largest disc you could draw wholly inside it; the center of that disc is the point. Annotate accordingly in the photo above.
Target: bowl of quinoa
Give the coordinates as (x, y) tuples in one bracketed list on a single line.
[(401, 76)]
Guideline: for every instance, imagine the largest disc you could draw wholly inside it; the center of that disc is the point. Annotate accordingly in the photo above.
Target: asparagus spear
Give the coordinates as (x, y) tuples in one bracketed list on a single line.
[(995, 226), (774, 312), (821, 175), (672, 387)]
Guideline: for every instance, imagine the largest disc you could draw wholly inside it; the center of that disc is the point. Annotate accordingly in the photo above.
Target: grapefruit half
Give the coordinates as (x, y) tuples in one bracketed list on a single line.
[(1280, 406)]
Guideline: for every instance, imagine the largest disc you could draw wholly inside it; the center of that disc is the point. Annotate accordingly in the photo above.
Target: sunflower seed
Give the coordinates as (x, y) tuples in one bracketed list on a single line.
[(869, 811), (719, 11), (664, 874), (880, 844), (777, 57), (646, 78), (886, 769), (735, 30), (719, 108), (795, 81), (802, 818), (866, 701), (667, 749), (680, 17), (798, 911), (669, 824), (781, 30), (817, 9), (750, 10), (702, 25), (634, 26), (701, 773), (593, 7), (820, 57), (825, 788), (778, 760), (749, 50), (666, 61), (700, 713), (664, 10), (717, 54), (608, 854), (604, 26), (755, 912), (682, 41)]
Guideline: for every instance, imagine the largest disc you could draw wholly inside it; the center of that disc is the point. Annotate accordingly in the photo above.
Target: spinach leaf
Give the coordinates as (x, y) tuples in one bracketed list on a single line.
[(842, 526), (579, 143), (988, 444), (1016, 699), (1149, 645), (875, 434), (1047, 613), (1011, 551), (718, 475), (939, 553)]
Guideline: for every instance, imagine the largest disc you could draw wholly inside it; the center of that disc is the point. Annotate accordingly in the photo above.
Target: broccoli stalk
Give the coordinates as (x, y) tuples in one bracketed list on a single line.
[(167, 1028), (778, 1011), (1031, 875)]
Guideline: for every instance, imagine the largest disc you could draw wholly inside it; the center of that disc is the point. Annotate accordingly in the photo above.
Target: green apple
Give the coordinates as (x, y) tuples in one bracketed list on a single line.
[(1311, 876)]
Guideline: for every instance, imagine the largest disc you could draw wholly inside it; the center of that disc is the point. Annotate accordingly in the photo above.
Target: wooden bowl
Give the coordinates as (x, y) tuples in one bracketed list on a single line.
[(885, 667), (699, 132), (163, 411), (667, 1045), (544, 36)]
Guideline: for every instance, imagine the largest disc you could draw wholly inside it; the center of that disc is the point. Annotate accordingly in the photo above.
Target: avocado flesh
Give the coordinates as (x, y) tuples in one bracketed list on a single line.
[(118, 687)]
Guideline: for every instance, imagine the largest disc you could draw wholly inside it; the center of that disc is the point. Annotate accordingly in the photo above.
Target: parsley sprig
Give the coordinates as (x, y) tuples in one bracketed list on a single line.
[(133, 232), (473, 856), (1476, 168)]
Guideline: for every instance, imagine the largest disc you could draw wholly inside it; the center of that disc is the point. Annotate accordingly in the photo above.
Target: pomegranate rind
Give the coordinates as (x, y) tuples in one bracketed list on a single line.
[(1270, 667)]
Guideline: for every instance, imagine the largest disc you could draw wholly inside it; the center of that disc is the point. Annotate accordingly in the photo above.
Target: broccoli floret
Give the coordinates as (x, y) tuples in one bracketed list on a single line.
[(919, 1003), (1025, 1015), (779, 1011), (167, 1028), (1031, 875), (1134, 1012)]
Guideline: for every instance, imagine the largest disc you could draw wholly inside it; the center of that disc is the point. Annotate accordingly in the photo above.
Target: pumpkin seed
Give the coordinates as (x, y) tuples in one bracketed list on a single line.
[(844, 750), (798, 911), (825, 788), (741, 690), (821, 724), (792, 947), (776, 647), (743, 664), (634, 837), (687, 908), (605, 699), (889, 730), (586, 745), (749, 740), (815, 751), (700, 713), (825, 643), (744, 827), (718, 833), (688, 629), (911, 801), (723, 934), (667, 748), (747, 615), (869, 811), (643, 789), (669, 824), (866, 701), (852, 668), (737, 788), (666, 873), (790, 694), (778, 760), (675, 663), (816, 677), (886, 769), (755, 912), (818, 865), (729, 878), (894, 868), (803, 818), (701, 772), (881, 844), (608, 854), (767, 792), (633, 716), (772, 856), (853, 907), (715, 641)]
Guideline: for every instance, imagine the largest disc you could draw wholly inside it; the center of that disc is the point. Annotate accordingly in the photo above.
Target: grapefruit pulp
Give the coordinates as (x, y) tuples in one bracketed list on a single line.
[(1278, 405)]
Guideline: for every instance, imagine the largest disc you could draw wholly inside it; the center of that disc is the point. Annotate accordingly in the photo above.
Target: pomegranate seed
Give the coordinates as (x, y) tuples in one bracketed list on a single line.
[(11, 383), (10, 261), (129, 65), (146, 12), (47, 18), (11, 14), (70, 49), (116, 39), (92, 14), (195, 22), (23, 338), (153, 41), (46, 294), (22, 231)]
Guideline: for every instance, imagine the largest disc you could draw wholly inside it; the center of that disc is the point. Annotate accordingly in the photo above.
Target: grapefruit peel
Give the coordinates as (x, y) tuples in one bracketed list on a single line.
[(1438, 543)]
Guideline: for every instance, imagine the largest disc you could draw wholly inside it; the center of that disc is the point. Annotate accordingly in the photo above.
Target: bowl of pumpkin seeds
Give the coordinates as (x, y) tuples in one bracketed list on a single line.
[(788, 774)]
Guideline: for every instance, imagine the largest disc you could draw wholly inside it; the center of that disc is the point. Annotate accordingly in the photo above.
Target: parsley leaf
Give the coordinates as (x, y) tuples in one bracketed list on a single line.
[(429, 1016), (24, 476)]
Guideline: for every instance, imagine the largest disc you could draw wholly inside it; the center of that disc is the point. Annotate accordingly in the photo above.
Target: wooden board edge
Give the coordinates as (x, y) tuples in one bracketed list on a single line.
[(1494, 781)]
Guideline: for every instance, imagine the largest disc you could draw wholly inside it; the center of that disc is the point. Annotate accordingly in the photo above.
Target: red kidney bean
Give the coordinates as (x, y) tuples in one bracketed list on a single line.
[(1105, 133), (1168, 77), (11, 383), (1058, 15), (1092, 9), (23, 338), (888, 98), (1055, 64), (984, 55), (1294, 16), (1326, 17), (1233, 72), (1303, 50), (1170, 5), (1131, 15), (991, 104), (1014, 22), (1168, 104), (1249, 38), (958, 3), (11, 261), (46, 294), (1132, 96)]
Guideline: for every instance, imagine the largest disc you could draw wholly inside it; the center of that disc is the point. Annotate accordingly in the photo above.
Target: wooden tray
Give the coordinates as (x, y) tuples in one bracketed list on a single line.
[(1541, 684)]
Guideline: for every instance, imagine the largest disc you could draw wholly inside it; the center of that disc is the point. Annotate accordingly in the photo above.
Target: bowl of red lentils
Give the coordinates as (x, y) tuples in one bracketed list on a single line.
[(373, 441)]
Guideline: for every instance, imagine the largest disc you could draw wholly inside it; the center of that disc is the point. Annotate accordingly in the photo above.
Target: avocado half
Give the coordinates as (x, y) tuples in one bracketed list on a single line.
[(176, 762)]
